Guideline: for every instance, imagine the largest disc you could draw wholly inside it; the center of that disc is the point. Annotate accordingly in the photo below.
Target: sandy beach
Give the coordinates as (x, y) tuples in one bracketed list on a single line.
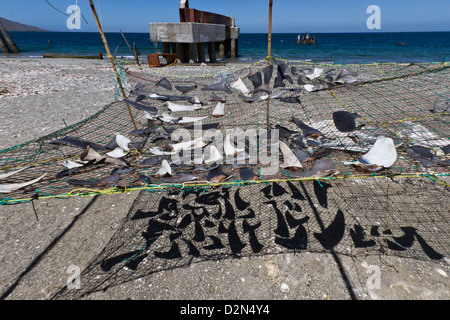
[(41, 240)]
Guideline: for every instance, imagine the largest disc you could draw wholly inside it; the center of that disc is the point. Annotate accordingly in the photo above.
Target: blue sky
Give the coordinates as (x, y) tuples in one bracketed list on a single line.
[(295, 16)]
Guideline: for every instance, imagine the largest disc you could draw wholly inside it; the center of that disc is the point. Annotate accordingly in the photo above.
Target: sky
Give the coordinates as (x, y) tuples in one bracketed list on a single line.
[(289, 16)]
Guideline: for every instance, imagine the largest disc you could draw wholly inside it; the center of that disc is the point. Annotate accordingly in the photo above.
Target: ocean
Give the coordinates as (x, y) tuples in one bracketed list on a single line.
[(329, 47)]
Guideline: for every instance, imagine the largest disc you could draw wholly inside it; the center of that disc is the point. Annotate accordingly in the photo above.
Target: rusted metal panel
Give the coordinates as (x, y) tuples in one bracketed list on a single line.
[(198, 16)]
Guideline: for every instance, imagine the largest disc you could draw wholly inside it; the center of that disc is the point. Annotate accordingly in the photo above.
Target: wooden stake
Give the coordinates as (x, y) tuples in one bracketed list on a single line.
[(269, 53), (112, 61), (132, 52), (8, 39), (269, 42), (3, 45)]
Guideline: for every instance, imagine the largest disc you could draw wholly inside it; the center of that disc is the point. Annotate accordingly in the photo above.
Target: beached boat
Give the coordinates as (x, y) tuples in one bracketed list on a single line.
[(70, 56)]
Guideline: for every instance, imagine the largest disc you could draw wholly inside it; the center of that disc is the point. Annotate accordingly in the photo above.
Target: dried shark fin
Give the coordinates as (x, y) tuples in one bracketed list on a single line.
[(6, 175), (219, 110), (186, 89), (191, 119), (256, 79), (78, 143), (164, 83), (7, 188), (117, 153), (239, 85), (290, 99), (165, 169), (90, 154), (291, 161), (264, 88), (279, 82), (123, 142), (383, 154), (345, 121), (139, 106), (321, 168), (216, 175), (246, 174), (174, 107), (317, 72), (307, 130), (256, 97), (220, 86), (267, 72), (229, 148)]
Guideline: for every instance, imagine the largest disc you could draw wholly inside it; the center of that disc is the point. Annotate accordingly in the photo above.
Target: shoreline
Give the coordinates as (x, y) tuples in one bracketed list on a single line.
[(337, 48), (239, 60)]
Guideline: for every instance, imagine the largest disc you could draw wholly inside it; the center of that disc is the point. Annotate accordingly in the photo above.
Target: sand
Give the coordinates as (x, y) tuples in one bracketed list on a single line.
[(41, 96)]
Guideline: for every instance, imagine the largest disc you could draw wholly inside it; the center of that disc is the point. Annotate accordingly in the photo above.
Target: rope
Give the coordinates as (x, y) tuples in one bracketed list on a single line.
[(67, 15), (100, 127), (205, 185)]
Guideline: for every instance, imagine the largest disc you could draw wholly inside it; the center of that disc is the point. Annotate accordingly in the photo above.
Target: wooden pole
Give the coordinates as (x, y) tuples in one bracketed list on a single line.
[(8, 39), (269, 42), (3, 45), (112, 61), (269, 53), (132, 52)]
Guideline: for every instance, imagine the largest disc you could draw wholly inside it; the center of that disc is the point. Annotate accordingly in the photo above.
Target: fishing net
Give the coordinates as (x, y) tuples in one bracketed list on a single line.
[(400, 209), (408, 103), (354, 217)]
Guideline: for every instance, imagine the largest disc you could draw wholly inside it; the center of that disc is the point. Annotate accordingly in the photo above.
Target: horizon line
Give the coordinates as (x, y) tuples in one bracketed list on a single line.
[(322, 32)]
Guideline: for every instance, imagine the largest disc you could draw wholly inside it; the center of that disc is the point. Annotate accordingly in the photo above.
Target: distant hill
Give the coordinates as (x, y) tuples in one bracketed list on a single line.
[(16, 26)]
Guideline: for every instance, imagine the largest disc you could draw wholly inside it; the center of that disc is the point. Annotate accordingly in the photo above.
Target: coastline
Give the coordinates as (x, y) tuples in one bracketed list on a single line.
[(364, 47)]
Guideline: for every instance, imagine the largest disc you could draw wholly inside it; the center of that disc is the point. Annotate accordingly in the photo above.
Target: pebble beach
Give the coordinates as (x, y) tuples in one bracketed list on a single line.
[(41, 96)]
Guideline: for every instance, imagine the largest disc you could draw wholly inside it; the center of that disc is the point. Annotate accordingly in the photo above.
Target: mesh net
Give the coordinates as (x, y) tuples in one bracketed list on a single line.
[(162, 231), (400, 210), (408, 103)]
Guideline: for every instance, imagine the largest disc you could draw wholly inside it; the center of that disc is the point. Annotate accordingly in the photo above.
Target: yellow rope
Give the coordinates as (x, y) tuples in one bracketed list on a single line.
[(384, 124), (415, 118), (83, 192)]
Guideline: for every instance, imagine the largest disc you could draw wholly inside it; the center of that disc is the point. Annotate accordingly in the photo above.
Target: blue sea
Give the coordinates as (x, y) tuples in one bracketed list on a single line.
[(329, 47)]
